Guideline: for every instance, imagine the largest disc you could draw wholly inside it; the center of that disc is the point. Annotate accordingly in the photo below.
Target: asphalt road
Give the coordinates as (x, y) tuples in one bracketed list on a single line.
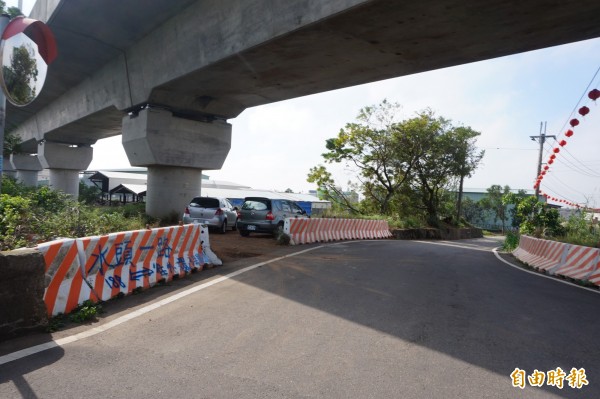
[(370, 319)]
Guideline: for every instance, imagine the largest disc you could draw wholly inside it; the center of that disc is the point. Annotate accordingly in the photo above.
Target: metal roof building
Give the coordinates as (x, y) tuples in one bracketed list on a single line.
[(124, 187)]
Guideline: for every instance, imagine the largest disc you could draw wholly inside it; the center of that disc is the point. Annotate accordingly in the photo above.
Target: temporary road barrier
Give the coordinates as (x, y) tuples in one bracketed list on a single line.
[(66, 286), (580, 262), (308, 230), (574, 261), (102, 267)]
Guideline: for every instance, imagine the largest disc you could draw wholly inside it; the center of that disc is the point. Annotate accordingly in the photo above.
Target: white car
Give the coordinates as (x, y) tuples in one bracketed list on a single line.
[(212, 211)]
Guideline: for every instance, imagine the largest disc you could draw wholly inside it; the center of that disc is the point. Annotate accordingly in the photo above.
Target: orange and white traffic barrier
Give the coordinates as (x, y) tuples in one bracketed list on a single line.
[(580, 263), (553, 256), (187, 240), (304, 231), (119, 263), (208, 256), (530, 250), (102, 267), (574, 261), (541, 254), (107, 261), (66, 287), (595, 276)]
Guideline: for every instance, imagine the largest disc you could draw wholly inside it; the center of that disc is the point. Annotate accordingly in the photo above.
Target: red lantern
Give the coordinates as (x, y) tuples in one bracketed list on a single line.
[(569, 133), (550, 162), (594, 94), (552, 156), (574, 122), (556, 150), (583, 111), (546, 167), (562, 143), (543, 172)]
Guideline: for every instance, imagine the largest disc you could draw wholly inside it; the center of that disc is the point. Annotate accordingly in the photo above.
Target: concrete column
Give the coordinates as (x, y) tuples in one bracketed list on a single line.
[(65, 162), (7, 168), (27, 167), (175, 150)]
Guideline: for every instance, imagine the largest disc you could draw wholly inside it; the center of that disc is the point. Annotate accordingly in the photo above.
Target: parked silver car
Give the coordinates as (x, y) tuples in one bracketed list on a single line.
[(265, 215), (212, 211)]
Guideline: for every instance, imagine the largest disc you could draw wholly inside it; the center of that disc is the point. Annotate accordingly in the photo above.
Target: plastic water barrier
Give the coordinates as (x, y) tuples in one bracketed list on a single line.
[(557, 258), (102, 267), (308, 230)]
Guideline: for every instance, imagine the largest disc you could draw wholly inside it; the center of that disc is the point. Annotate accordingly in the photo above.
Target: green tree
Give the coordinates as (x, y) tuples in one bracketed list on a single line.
[(473, 212), (380, 151), (494, 203), (21, 75), (12, 11), (537, 219), (466, 159), (11, 143), (443, 154), (89, 194), (328, 189), (415, 160)]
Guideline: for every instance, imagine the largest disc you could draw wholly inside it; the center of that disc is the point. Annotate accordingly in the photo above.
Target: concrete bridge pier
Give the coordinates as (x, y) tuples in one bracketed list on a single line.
[(7, 168), (176, 151), (26, 168), (65, 162)]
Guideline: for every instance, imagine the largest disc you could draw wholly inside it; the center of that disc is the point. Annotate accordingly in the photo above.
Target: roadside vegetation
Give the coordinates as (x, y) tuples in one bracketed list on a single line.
[(537, 219), (406, 171), (33, 215), (409, 172)]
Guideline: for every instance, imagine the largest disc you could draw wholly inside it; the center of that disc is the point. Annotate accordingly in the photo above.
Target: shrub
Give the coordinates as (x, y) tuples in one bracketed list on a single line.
[(511, 242)]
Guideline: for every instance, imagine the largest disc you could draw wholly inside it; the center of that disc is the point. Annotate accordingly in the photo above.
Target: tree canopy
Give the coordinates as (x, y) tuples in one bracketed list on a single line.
[(409, 164), (12, 11)]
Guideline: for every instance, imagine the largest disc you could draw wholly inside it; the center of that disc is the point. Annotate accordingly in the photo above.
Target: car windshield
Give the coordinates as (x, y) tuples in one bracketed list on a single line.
[(204, 202), (255, 205)]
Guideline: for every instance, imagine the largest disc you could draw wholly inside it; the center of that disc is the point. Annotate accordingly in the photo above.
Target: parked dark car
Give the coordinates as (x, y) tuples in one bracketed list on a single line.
[(212, 211), (265, 215)]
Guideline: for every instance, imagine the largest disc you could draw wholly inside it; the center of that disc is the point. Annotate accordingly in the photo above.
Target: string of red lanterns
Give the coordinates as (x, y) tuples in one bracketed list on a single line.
[(583, 111)]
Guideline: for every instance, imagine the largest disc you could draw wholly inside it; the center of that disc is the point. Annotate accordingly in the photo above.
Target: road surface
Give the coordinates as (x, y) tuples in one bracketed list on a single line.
[(368, 319)]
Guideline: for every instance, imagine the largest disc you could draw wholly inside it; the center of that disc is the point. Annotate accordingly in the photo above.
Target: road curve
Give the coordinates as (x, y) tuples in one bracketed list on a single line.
[(380, 319)]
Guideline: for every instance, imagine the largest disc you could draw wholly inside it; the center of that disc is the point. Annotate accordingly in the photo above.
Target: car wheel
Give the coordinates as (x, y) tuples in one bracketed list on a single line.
[(278, 230), (244, 233), (223, 228)]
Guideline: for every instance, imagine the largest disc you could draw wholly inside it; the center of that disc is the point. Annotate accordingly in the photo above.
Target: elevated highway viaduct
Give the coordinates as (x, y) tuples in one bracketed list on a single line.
[(168, 74)]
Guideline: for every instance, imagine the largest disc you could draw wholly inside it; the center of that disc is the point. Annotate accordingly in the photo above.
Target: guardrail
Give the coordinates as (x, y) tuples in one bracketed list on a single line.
[(305, 231), (558, 258), (102, 267)]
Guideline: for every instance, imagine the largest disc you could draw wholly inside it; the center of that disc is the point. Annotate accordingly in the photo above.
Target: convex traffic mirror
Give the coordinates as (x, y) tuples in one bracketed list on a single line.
[(27, 48)]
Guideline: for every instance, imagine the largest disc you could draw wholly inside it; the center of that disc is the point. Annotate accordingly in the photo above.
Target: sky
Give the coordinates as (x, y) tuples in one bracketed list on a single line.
[(505, 99)]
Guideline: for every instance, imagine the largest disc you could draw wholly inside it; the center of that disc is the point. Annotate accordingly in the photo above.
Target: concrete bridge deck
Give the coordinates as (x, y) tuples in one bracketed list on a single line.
[(208, 60)]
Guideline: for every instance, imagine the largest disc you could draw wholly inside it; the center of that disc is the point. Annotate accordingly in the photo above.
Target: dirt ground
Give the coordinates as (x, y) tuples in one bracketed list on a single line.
[(232, 246)]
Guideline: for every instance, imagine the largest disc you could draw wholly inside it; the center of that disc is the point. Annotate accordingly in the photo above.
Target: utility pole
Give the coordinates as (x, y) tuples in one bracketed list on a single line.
[(542, 137)]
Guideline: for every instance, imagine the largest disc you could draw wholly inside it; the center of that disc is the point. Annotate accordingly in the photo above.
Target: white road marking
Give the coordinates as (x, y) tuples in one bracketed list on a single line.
[(542, 275), (130, 316), (448, 244)]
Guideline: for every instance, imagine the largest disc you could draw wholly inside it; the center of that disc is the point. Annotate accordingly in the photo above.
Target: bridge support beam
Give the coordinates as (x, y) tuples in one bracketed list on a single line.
[(7, 168), (26, 168), (65, 162), (176, 151)]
